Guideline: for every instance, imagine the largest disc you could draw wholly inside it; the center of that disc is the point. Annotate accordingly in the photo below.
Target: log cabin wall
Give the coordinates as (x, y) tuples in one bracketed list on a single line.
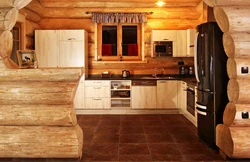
[(58, 17)]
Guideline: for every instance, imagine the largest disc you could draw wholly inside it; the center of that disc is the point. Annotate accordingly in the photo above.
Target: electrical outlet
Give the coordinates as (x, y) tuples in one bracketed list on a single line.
[(180, 63), (244, 70), (244, 115)]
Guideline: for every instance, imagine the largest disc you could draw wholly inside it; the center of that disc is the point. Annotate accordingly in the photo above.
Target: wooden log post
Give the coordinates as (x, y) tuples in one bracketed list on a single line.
[(6, 43), (213, 3), (233, 18), (233, 115), (237, 44), (8, 18), (14, 3), (233, 141), (38, 119), (238, 91)]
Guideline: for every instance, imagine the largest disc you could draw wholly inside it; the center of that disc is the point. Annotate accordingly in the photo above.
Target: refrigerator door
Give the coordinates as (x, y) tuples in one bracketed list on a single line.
[(206, 127), (205, 101), (204, 57)]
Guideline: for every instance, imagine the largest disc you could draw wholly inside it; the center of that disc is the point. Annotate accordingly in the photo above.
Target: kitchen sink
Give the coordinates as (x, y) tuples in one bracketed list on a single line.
[(161, 77)]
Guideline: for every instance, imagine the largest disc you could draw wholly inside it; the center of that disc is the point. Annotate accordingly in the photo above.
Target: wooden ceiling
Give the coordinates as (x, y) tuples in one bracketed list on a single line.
[(175, 9)]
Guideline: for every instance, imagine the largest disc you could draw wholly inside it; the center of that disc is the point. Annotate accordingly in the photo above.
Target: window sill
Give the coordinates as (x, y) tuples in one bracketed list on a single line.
[(119, 62)]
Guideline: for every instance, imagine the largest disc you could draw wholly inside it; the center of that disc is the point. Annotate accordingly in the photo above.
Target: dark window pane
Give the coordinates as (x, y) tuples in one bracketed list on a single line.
[(16, 42), (109, 40), (129, 41)]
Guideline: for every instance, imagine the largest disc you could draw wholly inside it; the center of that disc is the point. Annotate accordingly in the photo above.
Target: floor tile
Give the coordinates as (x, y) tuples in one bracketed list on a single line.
[(131, 130), (131, 123), (130, 117), (153, 123), (164, 149), (185, 138), (106, 138), (132, 138), (155, 130), (159, 138), (150, 117), (108, 130), (194, 148), (104, 148), (135, 158), (112, 123), (133, 149)]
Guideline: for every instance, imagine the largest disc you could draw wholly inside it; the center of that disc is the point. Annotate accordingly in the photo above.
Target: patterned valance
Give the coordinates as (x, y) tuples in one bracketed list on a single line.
[(119, 17)]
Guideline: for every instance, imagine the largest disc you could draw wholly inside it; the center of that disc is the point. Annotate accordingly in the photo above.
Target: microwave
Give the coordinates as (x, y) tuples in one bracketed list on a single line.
[(162, 48)]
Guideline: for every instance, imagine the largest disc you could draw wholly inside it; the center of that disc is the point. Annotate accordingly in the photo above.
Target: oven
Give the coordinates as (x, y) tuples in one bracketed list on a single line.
[(191, 100)]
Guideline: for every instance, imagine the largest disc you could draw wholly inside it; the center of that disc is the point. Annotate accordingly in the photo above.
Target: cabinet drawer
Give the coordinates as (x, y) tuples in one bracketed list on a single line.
[(97, 91), (97, 103), (71, 35), (93, 83)]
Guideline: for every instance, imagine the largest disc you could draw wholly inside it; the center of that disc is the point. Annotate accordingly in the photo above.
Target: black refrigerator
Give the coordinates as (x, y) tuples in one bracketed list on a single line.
[(211, 74)]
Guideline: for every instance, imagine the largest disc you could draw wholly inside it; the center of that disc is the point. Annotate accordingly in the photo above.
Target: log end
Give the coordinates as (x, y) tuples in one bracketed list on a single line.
[(233, 90), (228, 44), (224, 140), (231, 68), (221, 18), (229, 114), (210, 3)]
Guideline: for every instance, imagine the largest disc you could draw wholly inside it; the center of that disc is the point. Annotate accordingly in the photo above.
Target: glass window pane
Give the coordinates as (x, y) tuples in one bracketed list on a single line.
[(16, 42), (109, 40), (129, 40)]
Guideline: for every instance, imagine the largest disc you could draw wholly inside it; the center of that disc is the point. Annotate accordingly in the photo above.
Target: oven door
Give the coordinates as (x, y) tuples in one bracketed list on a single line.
[(191, 101)]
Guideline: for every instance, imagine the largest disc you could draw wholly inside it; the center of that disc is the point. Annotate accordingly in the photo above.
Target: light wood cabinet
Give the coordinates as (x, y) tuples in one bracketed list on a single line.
[(79, 96), (143, 97), (167, 94), (181, 44), (61, 48), (47, 47), (190, 42), (163, 35), (182, 96), (97, 94), (120, 93)]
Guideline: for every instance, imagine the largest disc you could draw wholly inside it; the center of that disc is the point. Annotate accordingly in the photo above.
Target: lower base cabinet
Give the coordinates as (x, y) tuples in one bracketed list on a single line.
[(167, 94), (143, 97), (97, 103)]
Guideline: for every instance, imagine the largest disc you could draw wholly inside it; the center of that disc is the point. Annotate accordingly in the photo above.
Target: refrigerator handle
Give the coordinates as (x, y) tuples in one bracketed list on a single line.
[(195, 57), (202, 113), (201, 106)]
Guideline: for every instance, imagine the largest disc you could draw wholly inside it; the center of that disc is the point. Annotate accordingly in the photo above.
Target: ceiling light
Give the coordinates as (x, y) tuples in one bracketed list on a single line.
[(160, 3)]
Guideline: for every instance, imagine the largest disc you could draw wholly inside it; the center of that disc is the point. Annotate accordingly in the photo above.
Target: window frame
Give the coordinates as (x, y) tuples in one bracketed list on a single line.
[(140, 39)]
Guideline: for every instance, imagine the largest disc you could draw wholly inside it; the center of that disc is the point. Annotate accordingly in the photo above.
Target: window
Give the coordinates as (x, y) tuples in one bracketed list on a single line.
[(16, 32), (119, 41)]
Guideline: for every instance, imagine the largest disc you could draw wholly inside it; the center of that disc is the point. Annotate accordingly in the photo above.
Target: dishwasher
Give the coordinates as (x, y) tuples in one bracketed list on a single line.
[(143, 94)]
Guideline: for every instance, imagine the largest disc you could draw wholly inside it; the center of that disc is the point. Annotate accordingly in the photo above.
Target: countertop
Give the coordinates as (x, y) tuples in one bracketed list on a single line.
[(190, 79)]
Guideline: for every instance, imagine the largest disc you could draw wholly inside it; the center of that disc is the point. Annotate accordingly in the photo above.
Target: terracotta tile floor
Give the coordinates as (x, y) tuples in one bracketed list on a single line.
[(139, 138)]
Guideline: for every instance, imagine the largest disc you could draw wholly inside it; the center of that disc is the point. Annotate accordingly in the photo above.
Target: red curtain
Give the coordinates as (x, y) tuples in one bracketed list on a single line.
[(106, 50), (132, 50)]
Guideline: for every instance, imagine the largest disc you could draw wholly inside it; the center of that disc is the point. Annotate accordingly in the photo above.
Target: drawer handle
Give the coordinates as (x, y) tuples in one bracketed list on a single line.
[(97, 87), (96, 99), (71, 39)]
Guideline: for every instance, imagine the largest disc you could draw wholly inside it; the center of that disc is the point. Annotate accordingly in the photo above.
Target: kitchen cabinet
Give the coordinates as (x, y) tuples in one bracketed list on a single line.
[(163, 35), (167, 94), (182, 96), (181, 44), (120, 93), (79, 96), (97, 94), (190, 42), (61, 48), (143, 96)]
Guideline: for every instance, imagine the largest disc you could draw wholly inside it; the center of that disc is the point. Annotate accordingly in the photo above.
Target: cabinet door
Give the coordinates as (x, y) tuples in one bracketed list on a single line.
[(182, 96), (79, 96), (71, 54), (47, 47), (181, 44), (97, 91), (72, 35), (97, 103), (190, 42), (166, 94), (163, 35), (143, 97)]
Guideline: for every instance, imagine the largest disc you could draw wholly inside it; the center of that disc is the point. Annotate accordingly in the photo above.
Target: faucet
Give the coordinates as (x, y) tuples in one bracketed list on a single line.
[(163, 70), (155, 72)]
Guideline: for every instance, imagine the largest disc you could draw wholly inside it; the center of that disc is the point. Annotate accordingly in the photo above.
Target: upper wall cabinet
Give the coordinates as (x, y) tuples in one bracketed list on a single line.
[(61, 48), (181, 44), (163, 35), (190, 42)]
